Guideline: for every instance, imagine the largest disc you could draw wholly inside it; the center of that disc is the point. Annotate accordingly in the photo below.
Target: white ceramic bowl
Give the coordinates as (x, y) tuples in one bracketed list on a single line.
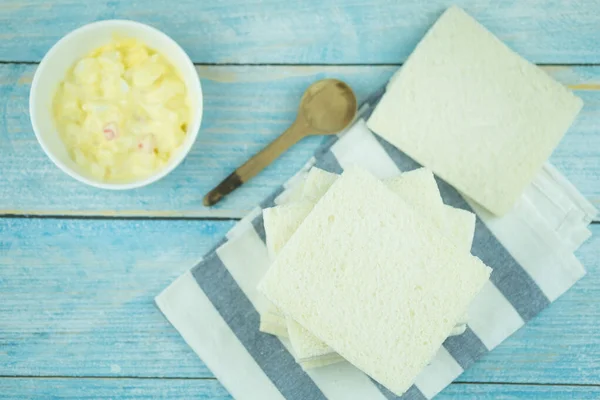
[(72, 47)]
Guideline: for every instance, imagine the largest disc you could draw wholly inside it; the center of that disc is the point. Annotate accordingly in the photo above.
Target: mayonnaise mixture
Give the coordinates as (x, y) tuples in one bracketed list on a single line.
[(122, 111)]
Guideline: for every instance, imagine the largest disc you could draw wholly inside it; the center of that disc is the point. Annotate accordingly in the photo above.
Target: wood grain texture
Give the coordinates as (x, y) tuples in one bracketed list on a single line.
[(205, 389), (122, 389), (77, 295), (245, 108), (309, 32), (77, 300)]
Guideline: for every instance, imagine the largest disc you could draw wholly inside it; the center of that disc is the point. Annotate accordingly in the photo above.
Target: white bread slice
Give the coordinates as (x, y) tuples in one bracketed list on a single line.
[(342, 277), (477, 114), (322, 361), (272, 322), (323, 354), (460, 225), (419, 189), (317, 182), (294, 193), (281, 222), (304, 341), (458, 330)]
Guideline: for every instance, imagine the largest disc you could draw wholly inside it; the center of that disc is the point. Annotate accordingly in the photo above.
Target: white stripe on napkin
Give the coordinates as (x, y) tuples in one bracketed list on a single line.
[(571, 191), (242, 226), (493, 327), (186, 307), (442, 370), (351, 151), (345, 381), (566, 211), (247, 263)]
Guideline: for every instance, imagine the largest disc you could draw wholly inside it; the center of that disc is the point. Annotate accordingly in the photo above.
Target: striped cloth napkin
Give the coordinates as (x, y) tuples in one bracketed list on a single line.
[(215, 305)]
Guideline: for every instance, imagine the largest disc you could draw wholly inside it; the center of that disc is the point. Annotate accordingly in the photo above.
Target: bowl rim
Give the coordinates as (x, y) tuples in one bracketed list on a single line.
[(175, 159)]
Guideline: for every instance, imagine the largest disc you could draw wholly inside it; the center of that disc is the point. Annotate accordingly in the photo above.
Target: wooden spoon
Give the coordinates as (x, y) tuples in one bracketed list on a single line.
[(327, 107)]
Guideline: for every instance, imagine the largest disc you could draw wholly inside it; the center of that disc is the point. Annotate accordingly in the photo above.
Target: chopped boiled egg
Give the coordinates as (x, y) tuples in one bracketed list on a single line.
[(122, 111)]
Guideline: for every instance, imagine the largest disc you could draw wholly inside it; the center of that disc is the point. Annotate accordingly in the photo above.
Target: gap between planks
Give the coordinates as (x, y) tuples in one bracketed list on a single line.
[(200, 215), (214, 64), (166, 378), (90, 377), (525, 384), (157, 216)]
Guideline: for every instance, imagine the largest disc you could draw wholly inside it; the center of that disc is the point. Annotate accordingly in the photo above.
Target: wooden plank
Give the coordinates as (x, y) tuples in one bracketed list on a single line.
[(309, 32), (515, 392), (77, 295), (77, 300), (246, 108), (201, 389), (123, 389)]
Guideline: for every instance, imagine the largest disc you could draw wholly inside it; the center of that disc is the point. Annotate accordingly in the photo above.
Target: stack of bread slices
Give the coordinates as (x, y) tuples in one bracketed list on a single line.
[(378, 273)]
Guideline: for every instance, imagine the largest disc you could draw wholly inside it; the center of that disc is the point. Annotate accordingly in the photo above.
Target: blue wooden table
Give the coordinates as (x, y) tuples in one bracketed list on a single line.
[(79, 267)]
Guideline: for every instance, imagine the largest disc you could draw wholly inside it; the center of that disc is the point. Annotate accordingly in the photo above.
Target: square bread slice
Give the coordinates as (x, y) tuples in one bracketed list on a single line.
[(419, 189), (319, 362), (273, 322), (281, 222), (460, 225), (477, 114), (374, 279), (317, 182), (306, 345)]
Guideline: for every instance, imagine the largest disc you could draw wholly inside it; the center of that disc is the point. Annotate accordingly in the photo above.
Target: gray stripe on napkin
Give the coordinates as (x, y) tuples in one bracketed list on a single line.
[(508, 276), (259, 226), (465, 348), (277, 363), (327, 161), (368, 106), (220, 243), (413, 393), (386, 393), (402, 161), (326, 144), (270, 200)]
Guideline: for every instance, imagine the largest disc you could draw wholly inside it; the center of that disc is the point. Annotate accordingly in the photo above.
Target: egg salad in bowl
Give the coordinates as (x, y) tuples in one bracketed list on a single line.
[(116, 104), (121, 111)]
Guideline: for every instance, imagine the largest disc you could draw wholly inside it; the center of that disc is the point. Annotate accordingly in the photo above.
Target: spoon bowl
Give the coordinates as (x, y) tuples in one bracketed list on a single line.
[(328, 106)]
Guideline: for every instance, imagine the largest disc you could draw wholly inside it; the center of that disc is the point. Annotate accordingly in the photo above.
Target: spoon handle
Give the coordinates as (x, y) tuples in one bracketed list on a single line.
[(257, 163)]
